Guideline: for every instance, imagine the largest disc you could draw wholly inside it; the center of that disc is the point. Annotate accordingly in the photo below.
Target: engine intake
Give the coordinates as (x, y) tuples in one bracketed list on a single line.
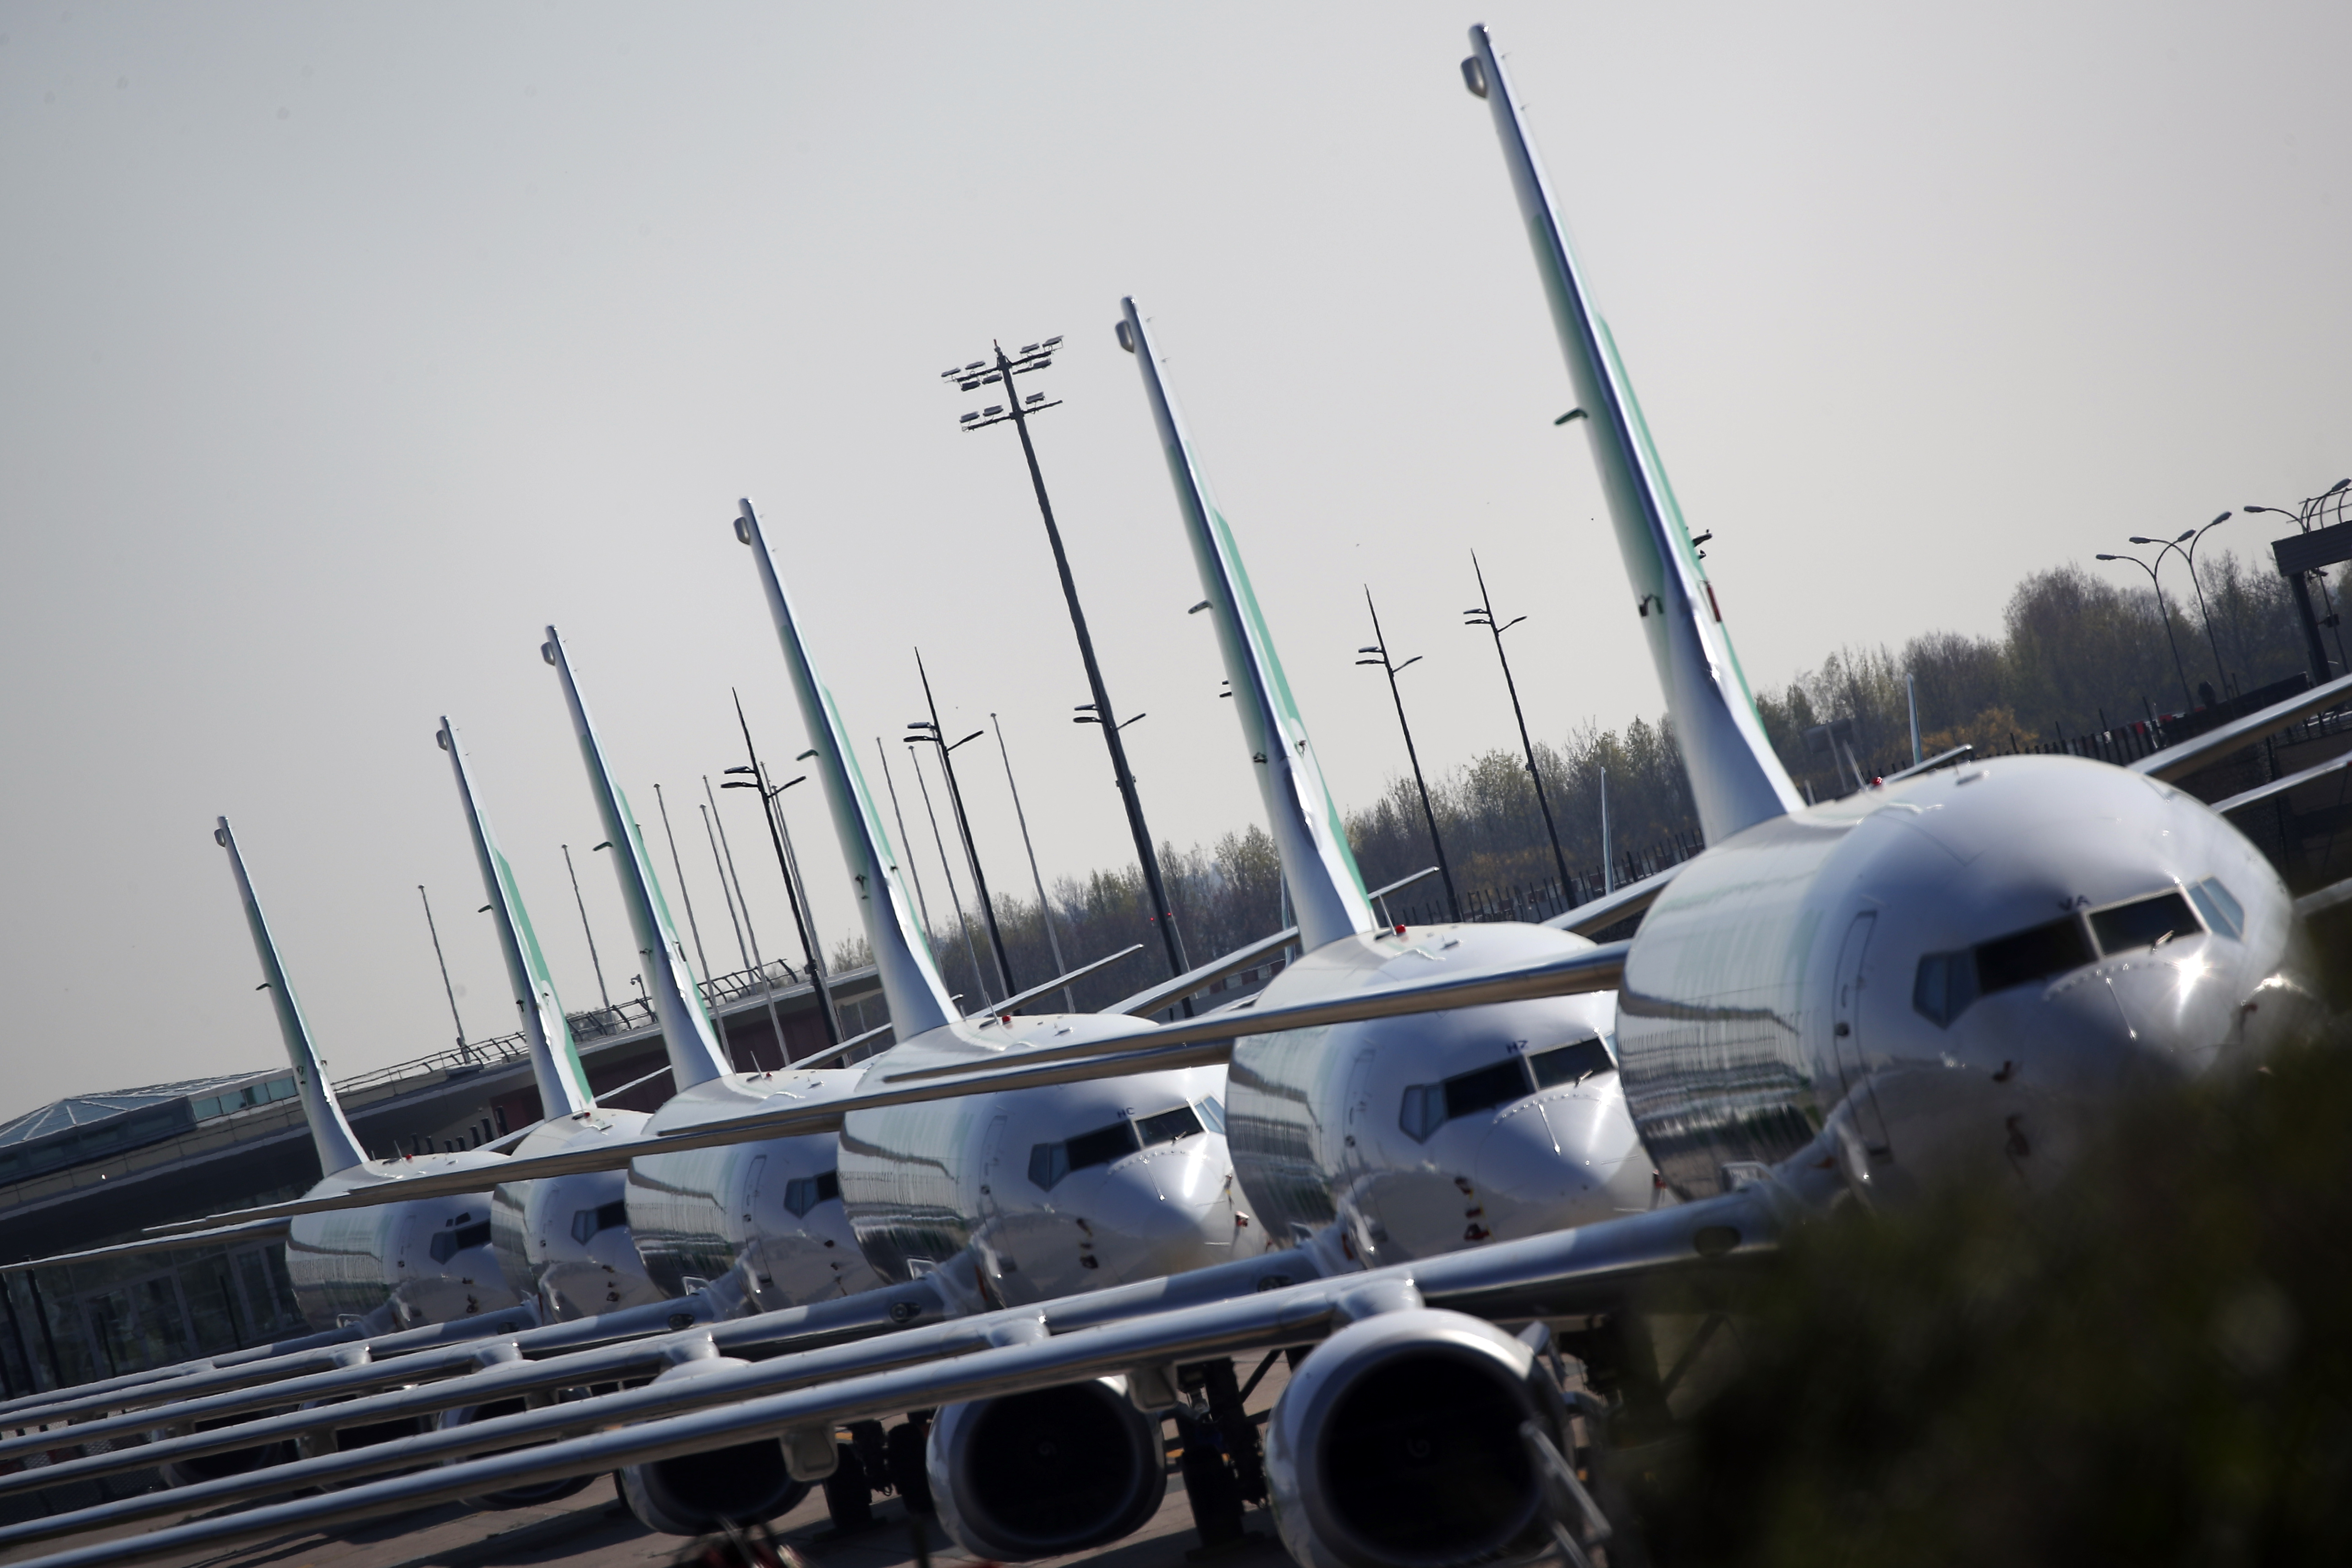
[(1397, 1444), (694, 1494), (1047, 1472)]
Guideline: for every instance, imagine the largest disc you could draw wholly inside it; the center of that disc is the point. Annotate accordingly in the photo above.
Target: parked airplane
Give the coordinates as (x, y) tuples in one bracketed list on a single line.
[(567, 1236), (1942, 975), (409, 1260)]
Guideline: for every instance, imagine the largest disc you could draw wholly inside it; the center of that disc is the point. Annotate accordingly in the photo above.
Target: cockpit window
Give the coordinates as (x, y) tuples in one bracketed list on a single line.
[(1430, 1106), (2144, 922), (1947, 983), (449, 1243), (804, 1193), (1049, 1163), (2030, 955), (1570, 1063), (1169, 1126), (586, 1223), (2222, 911)]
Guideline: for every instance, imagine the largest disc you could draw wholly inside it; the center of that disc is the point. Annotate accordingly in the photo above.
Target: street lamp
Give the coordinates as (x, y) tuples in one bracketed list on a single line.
[(1484, 616), (2195, 537), (1017, 408), (463, 1049), (2164, 615), (2306, 517), (930, 730), (795, 890), (1378, 649), (586, 930)]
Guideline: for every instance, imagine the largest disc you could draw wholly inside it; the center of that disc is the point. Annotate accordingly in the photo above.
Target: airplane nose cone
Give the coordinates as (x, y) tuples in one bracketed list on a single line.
[(1562, 1160), (1162, 1211)]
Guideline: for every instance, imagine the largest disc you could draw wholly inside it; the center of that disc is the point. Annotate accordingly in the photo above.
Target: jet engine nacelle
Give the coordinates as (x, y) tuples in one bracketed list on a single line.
[(1046, 1472), (532, 1496), (1398, 1444), (694, 1494)]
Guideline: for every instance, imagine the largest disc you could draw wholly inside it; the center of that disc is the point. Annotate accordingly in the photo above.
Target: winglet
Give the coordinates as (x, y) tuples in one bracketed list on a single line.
[(1736, 779), (917, 998), (554, 1055), (695, 1055), (339, 1147), (1325, 889)]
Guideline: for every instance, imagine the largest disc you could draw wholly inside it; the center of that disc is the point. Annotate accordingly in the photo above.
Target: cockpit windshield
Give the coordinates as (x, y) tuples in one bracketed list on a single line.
[(1430, 1106), (1946, 983)]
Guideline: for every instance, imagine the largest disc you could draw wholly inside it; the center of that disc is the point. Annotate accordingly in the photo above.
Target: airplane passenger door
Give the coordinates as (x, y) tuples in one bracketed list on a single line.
[(1845, 1032)]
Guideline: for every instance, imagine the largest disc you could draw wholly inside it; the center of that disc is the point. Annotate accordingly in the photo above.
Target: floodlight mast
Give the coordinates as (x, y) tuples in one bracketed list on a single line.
[(1015, 409)]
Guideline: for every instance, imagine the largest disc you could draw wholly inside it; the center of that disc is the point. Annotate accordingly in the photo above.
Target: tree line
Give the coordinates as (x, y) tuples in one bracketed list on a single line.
[(2076, 654)]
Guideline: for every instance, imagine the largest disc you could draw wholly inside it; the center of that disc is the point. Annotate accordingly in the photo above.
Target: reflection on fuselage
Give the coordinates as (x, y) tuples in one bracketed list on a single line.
[(718, 1219), (1044, 1192), (400, 1264), (567, 1237), (1960, 969), (1428, 1133)]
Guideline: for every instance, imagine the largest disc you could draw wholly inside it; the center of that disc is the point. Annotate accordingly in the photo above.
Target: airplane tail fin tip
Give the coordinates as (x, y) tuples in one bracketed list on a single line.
[(331, 1132), (918, 997), (1325, 886), (1737, 779)]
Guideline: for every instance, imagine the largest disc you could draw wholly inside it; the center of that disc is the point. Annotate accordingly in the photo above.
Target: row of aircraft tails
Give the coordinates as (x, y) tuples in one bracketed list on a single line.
[(1425, 1163)]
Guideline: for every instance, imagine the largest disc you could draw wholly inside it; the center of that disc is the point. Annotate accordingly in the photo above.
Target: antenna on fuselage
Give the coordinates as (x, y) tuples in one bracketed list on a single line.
[(554, 1055), (695, 1054), (1736, 779), (1327, 891), (330, 1133), (917, 998)]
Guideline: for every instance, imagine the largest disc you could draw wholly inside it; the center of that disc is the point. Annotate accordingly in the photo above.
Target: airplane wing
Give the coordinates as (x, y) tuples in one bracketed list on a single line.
[(1601, 914), (2175, 762), (1736, 779), (212, 1236), (1064, 1341), (1151, 1048)]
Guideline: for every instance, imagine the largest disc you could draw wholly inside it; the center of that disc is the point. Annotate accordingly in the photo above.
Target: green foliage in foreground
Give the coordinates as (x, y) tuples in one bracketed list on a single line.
[(2149, 1367)]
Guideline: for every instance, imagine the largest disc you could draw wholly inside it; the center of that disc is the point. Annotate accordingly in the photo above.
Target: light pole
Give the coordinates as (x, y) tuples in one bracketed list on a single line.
[(1044, 909), (1017, 407), (2165, 617), (2305, 516), (947, 866), (1484, 616), (585, 931), (1379, 648), (795, 890), (678, 866), (759, 964), (2195, 537), (930, 730), (447, 990)]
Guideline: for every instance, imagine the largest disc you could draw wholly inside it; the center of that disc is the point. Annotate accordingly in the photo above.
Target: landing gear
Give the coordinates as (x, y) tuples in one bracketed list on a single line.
[(906, 1464), (848, 1495), (1221, 1459)]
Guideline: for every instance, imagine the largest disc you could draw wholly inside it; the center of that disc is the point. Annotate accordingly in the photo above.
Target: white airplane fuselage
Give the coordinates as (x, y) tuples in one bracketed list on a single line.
[(1429, 1134), (569, 1236), (400, 1264), (1957, 971), (1041, 1192), (760, 1223)]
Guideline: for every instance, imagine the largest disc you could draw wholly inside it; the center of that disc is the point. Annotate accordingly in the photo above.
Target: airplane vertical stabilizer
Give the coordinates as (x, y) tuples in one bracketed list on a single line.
[(1736, 779), (554, 1055), (695, 1054), (1327, 891), (339, 1147), (917, 998)]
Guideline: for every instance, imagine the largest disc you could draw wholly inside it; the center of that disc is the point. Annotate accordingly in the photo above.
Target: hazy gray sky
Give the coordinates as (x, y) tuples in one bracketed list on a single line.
[(341, 348)]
